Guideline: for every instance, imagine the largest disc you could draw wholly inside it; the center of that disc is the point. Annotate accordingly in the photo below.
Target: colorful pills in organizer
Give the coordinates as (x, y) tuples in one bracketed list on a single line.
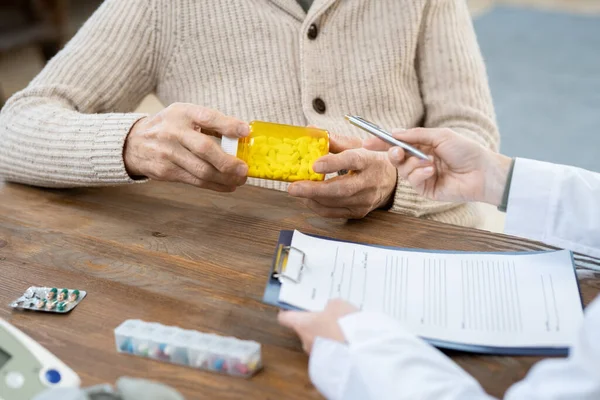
[(280, 152), (190, 348)]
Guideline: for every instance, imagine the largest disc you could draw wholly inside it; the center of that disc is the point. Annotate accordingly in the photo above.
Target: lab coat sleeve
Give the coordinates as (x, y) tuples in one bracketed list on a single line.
[(555, 204), (575, 377), (383, 361)]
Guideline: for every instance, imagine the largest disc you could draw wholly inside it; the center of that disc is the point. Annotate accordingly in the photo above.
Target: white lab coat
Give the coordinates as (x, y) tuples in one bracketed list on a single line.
[(555, 204)]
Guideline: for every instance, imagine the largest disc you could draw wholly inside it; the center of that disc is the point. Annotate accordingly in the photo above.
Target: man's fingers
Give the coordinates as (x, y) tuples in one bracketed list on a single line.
[(337, 188), (336, 198), (304, 189), (341, 190), (356, 201), (213, 121), (203, 170), (208, 150), (339, 143), (351, 160), (185, 177), (375, 144)]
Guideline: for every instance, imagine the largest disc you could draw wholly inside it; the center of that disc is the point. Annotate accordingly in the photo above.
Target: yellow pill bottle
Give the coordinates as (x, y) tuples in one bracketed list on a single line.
[(280, 152)]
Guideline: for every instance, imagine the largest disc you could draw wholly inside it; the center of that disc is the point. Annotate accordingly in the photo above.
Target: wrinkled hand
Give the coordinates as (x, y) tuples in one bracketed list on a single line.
[(175, 145), (461, 169), (370, 184), (310, 325)]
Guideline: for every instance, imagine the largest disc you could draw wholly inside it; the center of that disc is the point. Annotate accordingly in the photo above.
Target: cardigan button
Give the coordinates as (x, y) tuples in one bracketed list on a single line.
[(319, 105), (313, 32)]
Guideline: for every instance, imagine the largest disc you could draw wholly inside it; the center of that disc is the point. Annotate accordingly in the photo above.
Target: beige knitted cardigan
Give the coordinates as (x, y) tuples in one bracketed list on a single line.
[(400, 63)]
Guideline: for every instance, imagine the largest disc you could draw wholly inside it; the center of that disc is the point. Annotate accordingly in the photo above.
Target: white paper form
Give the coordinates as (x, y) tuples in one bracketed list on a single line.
[(500, 300)]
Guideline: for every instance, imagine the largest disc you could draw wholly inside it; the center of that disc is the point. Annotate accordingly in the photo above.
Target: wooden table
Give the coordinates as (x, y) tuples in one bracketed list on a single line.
[(198, 260)]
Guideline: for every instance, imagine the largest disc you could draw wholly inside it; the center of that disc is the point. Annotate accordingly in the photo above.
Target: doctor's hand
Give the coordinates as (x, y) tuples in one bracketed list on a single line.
[(324, 324), (461, 169), (369, 185)]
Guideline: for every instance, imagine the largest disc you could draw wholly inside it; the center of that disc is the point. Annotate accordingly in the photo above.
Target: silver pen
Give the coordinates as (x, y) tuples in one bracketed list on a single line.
[(383, 135)]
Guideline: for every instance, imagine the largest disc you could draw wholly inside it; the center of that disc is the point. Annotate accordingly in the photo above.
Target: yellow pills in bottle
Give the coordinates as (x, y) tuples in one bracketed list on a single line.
[(280, 152)]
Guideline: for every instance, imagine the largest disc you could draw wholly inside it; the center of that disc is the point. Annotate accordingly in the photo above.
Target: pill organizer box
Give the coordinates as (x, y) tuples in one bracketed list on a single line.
[(194, 349)]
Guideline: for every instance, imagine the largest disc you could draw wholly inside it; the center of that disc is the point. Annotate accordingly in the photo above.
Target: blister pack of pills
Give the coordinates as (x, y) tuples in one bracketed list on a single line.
[(194, 349), (49, 299)]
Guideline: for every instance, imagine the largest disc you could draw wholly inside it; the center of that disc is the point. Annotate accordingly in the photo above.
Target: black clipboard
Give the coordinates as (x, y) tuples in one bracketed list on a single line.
[(271, 295)]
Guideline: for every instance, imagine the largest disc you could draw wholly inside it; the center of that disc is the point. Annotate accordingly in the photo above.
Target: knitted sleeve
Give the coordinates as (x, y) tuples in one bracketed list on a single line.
[(69, 126)]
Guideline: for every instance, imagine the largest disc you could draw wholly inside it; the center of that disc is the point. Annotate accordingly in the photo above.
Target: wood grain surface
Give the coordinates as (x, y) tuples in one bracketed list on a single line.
[(198, 260)]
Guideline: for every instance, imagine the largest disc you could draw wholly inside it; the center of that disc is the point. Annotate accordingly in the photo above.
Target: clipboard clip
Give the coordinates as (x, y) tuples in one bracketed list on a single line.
[(279, 269)]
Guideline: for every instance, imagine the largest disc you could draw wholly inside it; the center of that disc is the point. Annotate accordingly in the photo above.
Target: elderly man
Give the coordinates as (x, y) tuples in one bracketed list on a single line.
[(223, 63)]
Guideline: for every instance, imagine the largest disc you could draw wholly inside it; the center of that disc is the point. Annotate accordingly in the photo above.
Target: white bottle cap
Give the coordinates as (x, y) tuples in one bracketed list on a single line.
[(229, 145)]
